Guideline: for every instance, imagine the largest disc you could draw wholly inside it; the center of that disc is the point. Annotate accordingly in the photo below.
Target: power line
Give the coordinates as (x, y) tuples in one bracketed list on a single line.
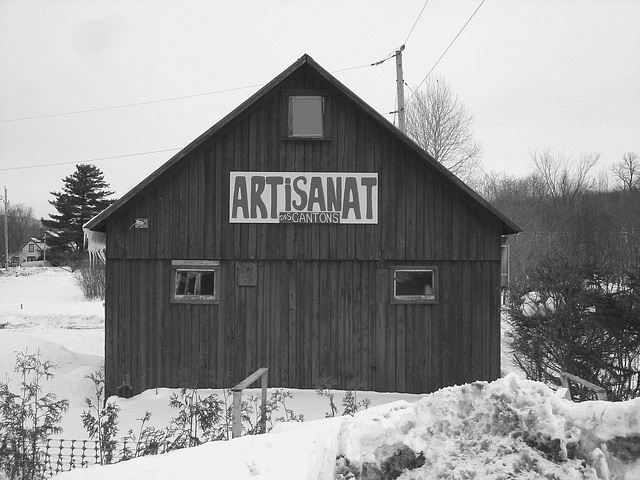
[(131, 105), (447, 49), (89, 160), (353, 68), (74, 112), (393, 52), (416, 22), (162, 100), (215, 92), (33, 117), (380, 62)]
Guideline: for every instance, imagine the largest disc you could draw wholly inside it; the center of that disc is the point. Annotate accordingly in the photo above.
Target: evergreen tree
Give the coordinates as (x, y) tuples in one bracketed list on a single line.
[(83, 196)]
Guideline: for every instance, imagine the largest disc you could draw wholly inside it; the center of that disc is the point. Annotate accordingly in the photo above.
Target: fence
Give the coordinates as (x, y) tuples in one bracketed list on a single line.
[(53, 457), (59, 455), (63, 455)]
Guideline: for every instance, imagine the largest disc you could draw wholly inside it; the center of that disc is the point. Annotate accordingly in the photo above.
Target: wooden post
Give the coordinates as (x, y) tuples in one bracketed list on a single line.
[(400, 87), (236, 429), (565, 385), (236, 425), (6, 229), (263, 409)]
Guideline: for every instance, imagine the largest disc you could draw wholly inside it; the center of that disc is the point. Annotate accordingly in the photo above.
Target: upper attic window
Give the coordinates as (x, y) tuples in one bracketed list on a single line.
[(306, 116)]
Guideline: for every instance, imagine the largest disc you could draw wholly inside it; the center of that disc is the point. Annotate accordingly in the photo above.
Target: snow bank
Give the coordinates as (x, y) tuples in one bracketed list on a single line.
[(307, 451), (510, 428)]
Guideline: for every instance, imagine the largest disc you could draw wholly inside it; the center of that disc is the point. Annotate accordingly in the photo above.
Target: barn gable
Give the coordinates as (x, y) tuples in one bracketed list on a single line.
[(301, 76), (308, 300)]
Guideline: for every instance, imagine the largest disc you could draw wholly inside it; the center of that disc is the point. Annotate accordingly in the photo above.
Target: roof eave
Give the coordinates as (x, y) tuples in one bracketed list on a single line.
[(508, 227)]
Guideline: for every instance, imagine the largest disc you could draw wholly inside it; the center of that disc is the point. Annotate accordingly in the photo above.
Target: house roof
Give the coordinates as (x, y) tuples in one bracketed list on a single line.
[(36, 241), (98, 223)]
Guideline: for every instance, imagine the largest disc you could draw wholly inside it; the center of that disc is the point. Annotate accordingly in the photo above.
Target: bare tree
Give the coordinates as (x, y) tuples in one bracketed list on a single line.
[(628, 171), (564, 179), (440, 123), (22, 225)]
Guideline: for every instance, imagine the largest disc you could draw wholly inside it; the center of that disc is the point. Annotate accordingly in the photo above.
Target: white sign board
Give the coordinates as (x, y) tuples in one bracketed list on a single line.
[(309, 197)]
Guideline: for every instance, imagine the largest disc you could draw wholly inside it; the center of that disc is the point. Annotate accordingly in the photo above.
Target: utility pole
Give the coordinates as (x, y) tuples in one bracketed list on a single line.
[(6, 229), (400, 86)]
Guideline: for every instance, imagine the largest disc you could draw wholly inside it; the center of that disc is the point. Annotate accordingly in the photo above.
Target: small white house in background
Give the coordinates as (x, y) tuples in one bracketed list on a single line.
[(31, 253)]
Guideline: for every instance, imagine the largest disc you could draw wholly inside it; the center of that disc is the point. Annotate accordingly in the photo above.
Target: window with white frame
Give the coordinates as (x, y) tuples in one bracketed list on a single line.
[(306, 116), (195, 281), (415, 284)]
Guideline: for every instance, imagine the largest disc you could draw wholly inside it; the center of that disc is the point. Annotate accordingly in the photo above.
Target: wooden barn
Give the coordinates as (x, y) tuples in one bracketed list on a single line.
[(305, 233)]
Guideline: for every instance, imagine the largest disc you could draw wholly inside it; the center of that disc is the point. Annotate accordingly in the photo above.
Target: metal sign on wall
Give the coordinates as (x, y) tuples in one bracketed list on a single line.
[(308, 197)]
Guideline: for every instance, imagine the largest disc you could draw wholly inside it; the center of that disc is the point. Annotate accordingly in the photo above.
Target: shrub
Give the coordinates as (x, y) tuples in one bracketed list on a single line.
[(279, 399), (91, 280), (580, 320), (101, 423), (148, 441), (28, 418), (326, 392), (199, 419), (350, 400)]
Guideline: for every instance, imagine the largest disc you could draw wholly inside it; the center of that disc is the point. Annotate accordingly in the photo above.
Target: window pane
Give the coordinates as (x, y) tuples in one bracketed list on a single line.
[(195, 283), (414, 283), (181, 283), (305, 116), (190, 288), (207, 283)]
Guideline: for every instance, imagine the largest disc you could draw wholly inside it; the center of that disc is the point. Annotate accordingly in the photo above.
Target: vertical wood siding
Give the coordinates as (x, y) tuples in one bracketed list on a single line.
[(321, 307), (306, 321)]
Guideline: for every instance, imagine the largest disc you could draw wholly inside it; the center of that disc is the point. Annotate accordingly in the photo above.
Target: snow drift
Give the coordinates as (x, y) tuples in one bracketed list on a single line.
[(510, 428), (507, 429)]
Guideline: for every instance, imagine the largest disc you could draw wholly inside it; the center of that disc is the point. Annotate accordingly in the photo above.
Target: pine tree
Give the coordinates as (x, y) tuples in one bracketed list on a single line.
[(83, 196)]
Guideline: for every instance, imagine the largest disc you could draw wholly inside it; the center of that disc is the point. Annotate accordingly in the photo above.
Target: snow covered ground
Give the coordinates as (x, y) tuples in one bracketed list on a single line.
[(508, 429)]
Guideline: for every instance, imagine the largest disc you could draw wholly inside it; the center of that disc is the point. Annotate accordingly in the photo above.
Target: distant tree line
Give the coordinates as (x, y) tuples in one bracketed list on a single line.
[(565, 208), (575, 288)]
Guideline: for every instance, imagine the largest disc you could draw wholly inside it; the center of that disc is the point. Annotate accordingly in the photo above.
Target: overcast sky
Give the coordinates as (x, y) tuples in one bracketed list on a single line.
[(535, 74)]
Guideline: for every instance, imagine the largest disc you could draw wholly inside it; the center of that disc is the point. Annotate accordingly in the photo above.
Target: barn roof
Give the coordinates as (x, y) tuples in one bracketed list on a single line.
[(98, 223)]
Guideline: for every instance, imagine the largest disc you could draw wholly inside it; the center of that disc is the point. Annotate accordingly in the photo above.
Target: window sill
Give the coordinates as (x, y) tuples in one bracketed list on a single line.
[(396, 301), (305, 139), (191, 301)]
